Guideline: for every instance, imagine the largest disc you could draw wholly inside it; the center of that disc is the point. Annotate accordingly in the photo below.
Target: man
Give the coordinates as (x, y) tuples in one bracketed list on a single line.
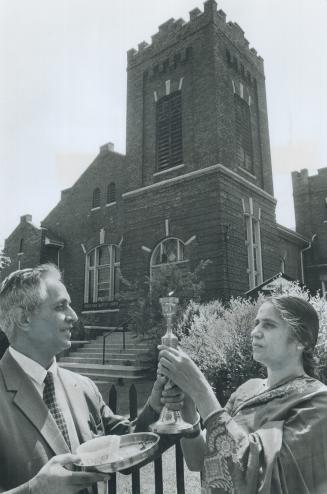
[(47, 411)]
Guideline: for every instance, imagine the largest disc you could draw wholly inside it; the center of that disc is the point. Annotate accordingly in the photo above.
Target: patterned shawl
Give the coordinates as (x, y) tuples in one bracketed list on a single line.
[(269, 441)]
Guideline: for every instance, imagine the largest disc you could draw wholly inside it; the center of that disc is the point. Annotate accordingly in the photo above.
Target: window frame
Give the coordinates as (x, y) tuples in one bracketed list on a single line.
[(114, 273), (96, 198), (111, 193), (243, 134), (169, 131), (253, 243)]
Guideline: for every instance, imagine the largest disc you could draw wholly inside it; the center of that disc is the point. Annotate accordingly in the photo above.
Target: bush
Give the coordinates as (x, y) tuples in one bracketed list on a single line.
[(217, 339)]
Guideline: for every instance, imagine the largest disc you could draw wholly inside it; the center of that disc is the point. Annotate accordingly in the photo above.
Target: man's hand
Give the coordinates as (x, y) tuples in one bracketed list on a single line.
[(54, 478), (165, 393)]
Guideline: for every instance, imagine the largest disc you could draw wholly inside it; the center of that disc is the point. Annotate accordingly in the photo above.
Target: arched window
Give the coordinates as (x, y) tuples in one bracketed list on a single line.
[(111, 193), (96, 198), (170, 250), (102, 274)]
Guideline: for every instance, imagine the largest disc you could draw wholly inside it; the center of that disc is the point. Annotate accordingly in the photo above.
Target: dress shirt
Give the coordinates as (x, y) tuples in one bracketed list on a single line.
[(37, 374)]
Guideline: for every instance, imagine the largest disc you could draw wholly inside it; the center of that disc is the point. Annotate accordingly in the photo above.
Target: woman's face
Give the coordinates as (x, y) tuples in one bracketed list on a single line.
[(272, 341)]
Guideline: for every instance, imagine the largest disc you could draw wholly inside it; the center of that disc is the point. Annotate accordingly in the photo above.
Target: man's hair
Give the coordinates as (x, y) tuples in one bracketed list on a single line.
[(25, 290)]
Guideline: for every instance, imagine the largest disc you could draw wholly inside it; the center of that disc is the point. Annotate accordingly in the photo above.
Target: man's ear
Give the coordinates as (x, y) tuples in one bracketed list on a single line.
[(23, 320)]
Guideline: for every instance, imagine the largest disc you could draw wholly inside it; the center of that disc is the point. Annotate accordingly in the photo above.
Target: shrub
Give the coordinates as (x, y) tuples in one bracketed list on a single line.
[(216, 336)]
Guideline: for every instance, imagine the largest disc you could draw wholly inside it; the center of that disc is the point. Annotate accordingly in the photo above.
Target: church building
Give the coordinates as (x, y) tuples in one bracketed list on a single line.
[(195, 183)]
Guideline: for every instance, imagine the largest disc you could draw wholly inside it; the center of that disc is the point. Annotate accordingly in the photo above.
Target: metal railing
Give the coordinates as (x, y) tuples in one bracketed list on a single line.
[(106, 335), (157, 462)]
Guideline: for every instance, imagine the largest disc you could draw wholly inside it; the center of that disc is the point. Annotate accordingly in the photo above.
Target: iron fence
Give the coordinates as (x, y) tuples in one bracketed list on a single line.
[(157, 463)]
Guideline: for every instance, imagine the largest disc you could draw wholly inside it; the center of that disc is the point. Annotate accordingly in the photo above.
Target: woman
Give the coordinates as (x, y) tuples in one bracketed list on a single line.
[(271, 437)]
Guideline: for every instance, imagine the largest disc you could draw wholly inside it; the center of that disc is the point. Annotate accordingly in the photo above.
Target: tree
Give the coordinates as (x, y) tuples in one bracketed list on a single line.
[(143, 308), (4, 261)]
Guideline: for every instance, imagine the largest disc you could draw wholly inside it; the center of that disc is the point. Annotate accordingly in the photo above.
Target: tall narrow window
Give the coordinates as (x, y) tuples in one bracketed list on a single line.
[(244, 149), (323, 280), (169, 131), (253, 243), (96, 198), (21, 246), (111, 193), (102, 274)]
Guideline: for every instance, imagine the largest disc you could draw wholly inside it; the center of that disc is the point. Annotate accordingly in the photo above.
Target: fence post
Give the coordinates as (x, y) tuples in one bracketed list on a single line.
[(132, 402), (158, 480), (113, 398), (179, 469), (104, 349), (136, 489), (112, 483), (125, 326)]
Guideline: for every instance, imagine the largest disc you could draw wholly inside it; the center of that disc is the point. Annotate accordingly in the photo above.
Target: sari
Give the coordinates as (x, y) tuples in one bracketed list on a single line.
[(269, 440)]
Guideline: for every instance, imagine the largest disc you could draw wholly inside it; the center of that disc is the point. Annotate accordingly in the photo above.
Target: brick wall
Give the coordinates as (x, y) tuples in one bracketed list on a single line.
[(74, 221), (31, 246), (310, 194), (203, 204)]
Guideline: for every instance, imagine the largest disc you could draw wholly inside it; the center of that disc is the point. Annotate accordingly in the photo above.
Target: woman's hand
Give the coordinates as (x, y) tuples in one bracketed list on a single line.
[(180, 368), (165, 393)]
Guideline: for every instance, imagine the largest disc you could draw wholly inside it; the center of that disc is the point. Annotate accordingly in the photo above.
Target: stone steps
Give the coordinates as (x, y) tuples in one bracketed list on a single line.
[(122, 365), (96, 354), (107, 374), (113, 346), (110, 359)]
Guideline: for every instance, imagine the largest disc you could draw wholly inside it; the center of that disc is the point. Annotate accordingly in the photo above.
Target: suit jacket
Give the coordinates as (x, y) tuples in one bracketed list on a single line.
[(29, 436)]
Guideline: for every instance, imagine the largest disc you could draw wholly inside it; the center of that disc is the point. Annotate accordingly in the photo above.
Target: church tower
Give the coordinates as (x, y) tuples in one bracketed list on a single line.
[(199, 174), (195, 98)]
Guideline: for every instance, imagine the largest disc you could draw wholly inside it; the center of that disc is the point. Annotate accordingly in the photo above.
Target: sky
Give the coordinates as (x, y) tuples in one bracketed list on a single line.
[(63, 89)]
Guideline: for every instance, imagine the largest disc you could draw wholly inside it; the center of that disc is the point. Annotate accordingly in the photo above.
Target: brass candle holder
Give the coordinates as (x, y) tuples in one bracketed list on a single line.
[(170, 421)]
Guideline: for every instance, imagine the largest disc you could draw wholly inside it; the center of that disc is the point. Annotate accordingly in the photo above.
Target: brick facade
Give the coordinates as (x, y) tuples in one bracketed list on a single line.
[(203, 202), (24, 245), (310, 203)]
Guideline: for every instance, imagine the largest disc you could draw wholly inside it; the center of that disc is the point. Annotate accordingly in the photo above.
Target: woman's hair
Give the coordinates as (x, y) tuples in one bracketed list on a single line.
[(304, 323), (23, 290)]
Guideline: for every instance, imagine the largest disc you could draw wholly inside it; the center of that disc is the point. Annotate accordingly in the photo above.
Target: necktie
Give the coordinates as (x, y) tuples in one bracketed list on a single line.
[(49, 398)]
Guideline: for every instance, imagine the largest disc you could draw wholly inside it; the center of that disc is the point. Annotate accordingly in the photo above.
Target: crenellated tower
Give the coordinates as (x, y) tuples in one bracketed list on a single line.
[(310, 204), (195, 98)]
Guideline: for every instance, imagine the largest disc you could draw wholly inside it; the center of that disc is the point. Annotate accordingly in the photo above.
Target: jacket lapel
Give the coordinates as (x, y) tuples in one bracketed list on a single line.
[(28, 400), (77, 403)]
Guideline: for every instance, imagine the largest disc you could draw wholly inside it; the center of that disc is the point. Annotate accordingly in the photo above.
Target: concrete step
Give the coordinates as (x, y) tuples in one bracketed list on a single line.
[(96, 354), (115, 334), (105, 370), (111, 348), (104, 381), (98, 360), (108, 379), (115, 346)]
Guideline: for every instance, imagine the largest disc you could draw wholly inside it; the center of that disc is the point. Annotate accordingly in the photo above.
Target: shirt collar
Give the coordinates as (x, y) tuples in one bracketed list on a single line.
[(33, 369)]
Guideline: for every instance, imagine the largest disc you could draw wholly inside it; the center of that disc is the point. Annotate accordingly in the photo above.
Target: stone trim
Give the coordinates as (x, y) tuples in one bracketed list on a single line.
[(204, 171)]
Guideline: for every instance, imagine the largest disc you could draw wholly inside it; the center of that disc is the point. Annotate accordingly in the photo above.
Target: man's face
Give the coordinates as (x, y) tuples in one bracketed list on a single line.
[(50, 327)]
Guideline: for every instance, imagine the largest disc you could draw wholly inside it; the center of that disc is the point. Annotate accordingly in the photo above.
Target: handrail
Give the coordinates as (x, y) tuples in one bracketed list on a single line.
[(105, 336)]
